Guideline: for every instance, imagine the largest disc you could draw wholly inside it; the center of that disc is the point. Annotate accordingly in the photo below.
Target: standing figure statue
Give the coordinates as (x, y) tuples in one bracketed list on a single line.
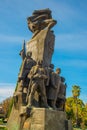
[(37, 78), (23, 81), (28, 63), (26, 66), (49, 70), (54, 88), (61, 97)]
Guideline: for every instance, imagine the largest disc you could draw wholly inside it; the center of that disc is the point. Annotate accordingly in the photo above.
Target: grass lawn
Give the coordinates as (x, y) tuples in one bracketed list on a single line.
[(2, 128), (76, 129), (2, 125), (1, 121)]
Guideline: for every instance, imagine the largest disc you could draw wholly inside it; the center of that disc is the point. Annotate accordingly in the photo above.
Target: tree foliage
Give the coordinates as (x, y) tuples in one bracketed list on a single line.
[(76, 110), (76, 91), (7, 105)]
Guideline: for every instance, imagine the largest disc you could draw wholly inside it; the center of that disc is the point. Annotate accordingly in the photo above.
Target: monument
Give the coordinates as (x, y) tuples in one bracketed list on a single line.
[(39, 99)]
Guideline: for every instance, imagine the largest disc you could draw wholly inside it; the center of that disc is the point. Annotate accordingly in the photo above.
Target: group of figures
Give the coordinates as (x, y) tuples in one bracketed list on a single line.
[(37, 80), (39, 84)]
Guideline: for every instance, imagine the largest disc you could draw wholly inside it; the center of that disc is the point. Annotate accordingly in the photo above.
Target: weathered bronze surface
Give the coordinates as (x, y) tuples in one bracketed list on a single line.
[(41, 91)]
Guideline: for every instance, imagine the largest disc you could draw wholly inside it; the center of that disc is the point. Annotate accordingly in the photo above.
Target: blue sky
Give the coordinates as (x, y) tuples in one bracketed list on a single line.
[(70, 43)]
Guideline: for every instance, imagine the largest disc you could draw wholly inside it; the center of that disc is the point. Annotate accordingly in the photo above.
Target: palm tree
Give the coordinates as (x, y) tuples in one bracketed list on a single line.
[(76, 93)]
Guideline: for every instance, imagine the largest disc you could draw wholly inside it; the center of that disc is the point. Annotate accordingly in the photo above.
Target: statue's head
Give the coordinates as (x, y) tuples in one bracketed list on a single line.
[(52, 66), (58, 70), (62, 79), (40, 20), (29, 54), (33, 26)]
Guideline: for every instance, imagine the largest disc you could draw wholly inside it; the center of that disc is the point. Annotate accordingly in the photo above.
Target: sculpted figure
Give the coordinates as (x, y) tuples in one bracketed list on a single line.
[(54, 88), (40, 20), (26, 66), (37, 77), (49, 70), (61, 97), (23, 81)]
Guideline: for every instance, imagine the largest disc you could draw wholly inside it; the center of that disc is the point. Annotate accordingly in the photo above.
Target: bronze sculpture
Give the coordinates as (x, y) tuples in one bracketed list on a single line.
[(54, 87), (30, 78), (40, 92), (40, 20), (37, 76)]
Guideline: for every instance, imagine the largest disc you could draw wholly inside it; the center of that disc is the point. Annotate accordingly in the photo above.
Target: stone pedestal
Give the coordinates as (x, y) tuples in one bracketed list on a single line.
[(70, 127), (14, 120), (45, 119), (39, 119)]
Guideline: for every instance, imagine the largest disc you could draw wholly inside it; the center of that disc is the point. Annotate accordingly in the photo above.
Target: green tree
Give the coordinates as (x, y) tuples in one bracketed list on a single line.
[(7, 105), (76, 110), (70, 107), (76, 93)]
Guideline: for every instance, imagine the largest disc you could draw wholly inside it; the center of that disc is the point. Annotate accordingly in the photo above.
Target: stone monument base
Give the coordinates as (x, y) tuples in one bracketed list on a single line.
[(40, 119)]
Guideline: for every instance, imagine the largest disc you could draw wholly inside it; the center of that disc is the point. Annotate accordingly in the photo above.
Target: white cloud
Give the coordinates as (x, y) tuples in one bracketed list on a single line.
[(6, 90), (75, 63), (61, 10), (7, 84), (74, 42), (11, 39)]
